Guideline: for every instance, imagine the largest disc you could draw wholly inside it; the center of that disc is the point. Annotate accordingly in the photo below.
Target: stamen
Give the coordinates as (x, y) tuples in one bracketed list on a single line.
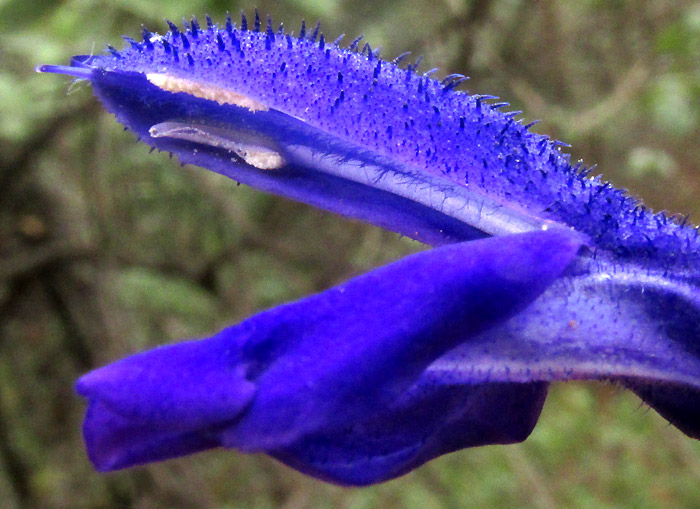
[(204, 91), (253, 151)]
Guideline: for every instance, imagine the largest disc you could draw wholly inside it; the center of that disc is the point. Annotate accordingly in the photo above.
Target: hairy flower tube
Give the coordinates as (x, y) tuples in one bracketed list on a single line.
[(541, 273)]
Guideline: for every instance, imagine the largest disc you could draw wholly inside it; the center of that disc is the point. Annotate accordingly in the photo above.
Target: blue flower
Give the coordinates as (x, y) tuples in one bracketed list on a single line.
[(543, 274)]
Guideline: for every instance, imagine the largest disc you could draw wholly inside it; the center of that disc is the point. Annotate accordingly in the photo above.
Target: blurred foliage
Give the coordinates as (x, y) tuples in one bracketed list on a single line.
[(106, 250)]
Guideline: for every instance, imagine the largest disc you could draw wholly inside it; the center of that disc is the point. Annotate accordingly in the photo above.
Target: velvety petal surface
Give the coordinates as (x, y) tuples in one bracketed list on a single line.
[(359, 345), (162, 403), (328, 361), (634, 327), (430, 419)]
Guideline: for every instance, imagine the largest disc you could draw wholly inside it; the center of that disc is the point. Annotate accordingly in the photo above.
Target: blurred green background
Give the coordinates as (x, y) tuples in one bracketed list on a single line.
[(106, 250)]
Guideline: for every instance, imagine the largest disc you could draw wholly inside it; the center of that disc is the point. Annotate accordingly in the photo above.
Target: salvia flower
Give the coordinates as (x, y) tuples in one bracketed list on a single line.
[(543, 274)]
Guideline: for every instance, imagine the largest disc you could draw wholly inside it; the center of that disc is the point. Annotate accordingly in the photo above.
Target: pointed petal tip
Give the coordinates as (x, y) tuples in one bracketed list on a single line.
[(534, 258), (82, 385)]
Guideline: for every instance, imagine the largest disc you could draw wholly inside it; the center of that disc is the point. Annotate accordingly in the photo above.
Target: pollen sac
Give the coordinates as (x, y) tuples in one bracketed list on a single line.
[(204, 91), (259, 156)]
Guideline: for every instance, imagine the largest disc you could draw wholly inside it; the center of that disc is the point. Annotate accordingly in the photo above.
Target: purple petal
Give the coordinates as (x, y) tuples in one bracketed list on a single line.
[(363, 137), (333, 129), (324, 362), (427, 421), (163, 403), (336, 357), (631, 326), (634, 327), (319, 169), (178, 387)]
